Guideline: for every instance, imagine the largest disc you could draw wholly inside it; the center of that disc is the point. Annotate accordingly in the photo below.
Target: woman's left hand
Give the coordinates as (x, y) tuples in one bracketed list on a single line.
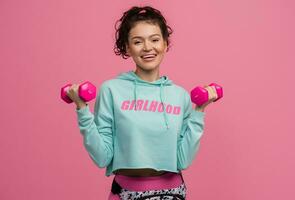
[(212, 95)]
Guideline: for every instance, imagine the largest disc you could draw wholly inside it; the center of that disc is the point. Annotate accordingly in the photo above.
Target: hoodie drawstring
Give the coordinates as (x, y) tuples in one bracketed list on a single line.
[(164, 109), (161, 92), (135, 97)]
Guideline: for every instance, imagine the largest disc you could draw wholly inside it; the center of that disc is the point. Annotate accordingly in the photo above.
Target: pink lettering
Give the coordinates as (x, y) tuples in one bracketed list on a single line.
[(132, 105), (153, 106), (169, 108), (139, 104), (150, 106), (145, 104), (125, 105), (160, 107), (176, 110)]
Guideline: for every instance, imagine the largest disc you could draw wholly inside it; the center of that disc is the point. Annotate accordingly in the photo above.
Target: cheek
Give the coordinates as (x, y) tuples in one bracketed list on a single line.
[(135, 50), (161, 48)]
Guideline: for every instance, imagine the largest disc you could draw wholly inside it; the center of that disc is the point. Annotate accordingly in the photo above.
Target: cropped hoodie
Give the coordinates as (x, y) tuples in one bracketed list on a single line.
[(141, 124)]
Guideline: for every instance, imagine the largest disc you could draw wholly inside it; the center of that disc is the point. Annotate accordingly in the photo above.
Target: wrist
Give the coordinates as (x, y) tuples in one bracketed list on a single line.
[(80, 105), (199, 109)]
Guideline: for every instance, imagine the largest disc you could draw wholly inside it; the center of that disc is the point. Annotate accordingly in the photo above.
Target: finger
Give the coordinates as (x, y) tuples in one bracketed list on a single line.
[(76, 87), (215, 96), (211, 93), (73, 87)]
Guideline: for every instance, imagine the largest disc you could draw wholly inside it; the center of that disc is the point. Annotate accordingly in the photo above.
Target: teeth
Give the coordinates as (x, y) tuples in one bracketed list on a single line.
[(148, 56)]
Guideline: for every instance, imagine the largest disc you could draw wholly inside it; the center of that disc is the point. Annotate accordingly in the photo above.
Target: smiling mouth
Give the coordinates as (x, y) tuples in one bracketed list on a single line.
[(149, 57)]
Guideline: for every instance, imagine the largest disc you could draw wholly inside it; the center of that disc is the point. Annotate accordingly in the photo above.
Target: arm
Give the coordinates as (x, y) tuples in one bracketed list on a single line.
[(191, 131), (199, 109), (97, 129)]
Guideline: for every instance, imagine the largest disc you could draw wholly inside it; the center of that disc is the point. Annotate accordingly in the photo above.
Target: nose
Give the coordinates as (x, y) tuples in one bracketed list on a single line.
[(147, 46)]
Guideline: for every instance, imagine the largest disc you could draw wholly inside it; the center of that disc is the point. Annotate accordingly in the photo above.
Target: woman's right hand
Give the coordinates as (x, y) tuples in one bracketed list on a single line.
[(73, 93)]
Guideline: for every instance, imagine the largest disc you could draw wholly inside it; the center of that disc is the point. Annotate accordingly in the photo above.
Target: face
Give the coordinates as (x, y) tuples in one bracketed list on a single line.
[(146, 46)]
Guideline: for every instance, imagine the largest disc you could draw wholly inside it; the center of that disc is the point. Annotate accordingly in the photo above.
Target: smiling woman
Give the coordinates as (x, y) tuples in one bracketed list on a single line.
[(143, 35), (146, 45), (134, 16), (144, 130)]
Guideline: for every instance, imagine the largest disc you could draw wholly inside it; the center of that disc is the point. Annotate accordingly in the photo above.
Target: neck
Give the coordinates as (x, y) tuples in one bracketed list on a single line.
[(149, 76)]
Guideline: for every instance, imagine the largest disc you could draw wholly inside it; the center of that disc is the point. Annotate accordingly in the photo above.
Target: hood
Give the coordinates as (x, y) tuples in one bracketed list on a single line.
[(161, 82)]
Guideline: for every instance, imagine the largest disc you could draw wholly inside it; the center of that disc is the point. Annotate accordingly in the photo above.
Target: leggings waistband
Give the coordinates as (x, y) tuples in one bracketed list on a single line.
[(167, 180)]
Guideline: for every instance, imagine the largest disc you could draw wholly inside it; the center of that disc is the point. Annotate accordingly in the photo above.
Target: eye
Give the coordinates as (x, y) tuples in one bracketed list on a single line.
[(155, 40), (136, 42)]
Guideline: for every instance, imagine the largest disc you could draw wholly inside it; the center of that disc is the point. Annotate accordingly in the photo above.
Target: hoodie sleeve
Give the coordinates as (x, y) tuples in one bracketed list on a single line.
[(191, 131), (97, 129)]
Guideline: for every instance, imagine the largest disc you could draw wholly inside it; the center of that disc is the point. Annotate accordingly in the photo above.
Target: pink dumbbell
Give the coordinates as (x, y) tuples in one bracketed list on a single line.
[(87, 92), (199, 95)]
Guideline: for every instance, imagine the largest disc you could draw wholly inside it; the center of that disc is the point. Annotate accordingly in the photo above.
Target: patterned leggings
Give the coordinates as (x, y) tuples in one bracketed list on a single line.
[(168, 189), (177, 193)]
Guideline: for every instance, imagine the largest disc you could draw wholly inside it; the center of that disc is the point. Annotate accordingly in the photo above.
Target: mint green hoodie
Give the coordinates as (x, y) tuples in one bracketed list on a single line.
[(141, 124)]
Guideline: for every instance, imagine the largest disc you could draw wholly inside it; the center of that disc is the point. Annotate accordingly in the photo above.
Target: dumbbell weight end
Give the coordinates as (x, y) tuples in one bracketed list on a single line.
[(63, 93)]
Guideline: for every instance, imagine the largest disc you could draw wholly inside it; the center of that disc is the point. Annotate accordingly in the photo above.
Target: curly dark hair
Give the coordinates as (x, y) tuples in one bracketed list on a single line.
[(129, 20)]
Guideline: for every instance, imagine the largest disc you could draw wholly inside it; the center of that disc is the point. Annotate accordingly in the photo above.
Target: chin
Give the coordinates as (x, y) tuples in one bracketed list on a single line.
[(147, 68)]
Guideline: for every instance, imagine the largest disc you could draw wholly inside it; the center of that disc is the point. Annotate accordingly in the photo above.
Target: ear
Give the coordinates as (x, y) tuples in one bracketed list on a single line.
[(127, 49), (166, 46)]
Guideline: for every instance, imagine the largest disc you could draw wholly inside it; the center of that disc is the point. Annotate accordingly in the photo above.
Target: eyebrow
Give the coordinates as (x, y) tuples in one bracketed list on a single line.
[(142, 37)]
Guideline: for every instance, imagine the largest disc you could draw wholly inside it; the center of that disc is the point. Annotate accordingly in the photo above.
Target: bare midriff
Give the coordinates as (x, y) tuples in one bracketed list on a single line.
[(139, 172)]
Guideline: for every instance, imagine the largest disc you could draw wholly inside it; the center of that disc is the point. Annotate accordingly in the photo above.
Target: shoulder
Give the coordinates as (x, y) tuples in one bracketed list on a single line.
[(181, 90), (182, 94), (108, 84)]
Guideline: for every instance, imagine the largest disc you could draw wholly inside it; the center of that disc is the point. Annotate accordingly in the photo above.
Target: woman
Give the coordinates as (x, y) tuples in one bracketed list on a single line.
[(143, 130)]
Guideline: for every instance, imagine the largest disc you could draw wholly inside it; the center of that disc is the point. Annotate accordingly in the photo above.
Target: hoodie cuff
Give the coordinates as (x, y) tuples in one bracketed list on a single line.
[(83, 111), (198, 114)]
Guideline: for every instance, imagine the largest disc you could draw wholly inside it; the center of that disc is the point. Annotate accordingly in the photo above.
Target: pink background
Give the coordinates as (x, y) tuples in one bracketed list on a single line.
[(247, 152)]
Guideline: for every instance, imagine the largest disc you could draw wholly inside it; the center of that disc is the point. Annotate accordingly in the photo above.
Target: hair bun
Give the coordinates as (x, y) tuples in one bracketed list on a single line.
[(142, 11)]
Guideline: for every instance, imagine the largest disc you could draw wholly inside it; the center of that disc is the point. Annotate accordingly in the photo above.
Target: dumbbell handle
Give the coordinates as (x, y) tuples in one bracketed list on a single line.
[(200, 95)]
